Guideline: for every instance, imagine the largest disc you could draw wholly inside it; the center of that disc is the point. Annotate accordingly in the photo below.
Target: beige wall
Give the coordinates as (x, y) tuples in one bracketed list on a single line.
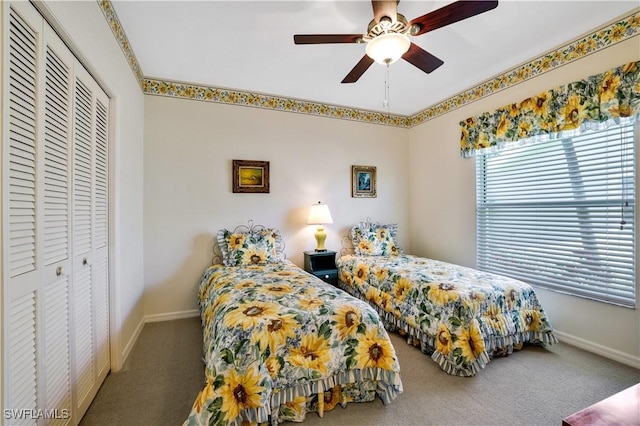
[(423, 184), (83, 26), (188, 197), (442, 208)]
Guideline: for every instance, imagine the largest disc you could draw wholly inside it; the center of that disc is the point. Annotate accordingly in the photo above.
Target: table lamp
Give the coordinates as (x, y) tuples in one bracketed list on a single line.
[(319, 215)]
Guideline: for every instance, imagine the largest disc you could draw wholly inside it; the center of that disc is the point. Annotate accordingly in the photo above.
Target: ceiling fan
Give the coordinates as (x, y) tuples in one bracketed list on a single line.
[(387, 35)]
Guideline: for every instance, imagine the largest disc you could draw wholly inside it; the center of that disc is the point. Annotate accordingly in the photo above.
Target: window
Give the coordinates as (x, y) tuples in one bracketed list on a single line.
[(560, 214)]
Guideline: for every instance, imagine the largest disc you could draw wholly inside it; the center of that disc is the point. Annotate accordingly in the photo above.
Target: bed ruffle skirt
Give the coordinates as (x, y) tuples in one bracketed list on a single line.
[(494, 345), (292, 404)]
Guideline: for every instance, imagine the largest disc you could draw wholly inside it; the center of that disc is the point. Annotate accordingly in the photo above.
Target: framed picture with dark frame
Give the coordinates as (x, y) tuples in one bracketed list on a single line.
[(363, 181), (250, 176)]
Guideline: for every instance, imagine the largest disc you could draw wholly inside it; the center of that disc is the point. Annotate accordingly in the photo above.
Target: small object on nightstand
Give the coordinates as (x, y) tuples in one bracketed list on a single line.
[(319, 215), (322, 264)]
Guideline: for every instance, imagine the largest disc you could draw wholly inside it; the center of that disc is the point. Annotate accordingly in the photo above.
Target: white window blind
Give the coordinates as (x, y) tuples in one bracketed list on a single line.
[(561, 214)]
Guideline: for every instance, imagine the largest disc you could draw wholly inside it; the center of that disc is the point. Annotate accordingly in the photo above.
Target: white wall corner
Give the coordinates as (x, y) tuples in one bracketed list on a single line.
[(117, 361)]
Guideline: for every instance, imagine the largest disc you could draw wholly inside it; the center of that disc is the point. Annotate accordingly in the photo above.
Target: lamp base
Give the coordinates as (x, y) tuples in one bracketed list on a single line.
[(320, 250), (321, 236)]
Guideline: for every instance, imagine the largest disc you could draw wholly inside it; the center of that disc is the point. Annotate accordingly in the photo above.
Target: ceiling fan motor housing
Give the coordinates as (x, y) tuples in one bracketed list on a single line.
[(375, 29)]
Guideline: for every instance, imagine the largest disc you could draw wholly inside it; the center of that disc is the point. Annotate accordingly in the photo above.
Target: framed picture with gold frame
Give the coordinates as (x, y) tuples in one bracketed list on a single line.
[(363, 181), (250, 176)]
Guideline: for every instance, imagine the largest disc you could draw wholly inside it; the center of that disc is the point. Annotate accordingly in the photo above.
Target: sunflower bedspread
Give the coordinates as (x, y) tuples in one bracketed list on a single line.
[(279, 342), (460, 316)]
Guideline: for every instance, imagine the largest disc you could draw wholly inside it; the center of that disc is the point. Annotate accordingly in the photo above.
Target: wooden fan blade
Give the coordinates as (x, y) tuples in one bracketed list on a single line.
[(387, 8), (326, 38), (422, 59), (358, 70), (451, 13)]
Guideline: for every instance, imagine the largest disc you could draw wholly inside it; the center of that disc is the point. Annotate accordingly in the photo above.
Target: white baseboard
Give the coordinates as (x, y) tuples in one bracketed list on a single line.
[(132, 341), (171, 316), (597, 349)]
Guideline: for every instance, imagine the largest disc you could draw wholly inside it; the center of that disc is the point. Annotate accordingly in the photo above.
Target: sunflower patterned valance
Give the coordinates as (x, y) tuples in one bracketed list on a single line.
[(589, 103)]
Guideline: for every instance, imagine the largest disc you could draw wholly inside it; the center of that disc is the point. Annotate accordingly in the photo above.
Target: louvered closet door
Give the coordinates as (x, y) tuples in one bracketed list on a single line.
[(89, 238), (20, 196), (55, 175), (55, 202), (101, 236)]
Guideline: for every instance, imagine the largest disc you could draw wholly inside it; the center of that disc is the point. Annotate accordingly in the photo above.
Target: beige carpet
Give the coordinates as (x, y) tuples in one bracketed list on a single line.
[(535, 386)]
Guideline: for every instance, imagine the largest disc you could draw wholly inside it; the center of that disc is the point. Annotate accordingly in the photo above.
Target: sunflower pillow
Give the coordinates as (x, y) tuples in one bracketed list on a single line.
[(255, 247), (372, 239)]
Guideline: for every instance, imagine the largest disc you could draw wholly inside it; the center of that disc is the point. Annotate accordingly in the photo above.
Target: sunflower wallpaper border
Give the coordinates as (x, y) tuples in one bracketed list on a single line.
[(121, 37), (601, 38), (617, 32)]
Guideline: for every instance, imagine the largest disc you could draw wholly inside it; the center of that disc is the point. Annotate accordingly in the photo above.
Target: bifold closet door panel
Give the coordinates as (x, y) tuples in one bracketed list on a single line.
[(89, 240), (55, 189), (55, 202), (82, 304), (20, 175), (101, 235), (38, 287)]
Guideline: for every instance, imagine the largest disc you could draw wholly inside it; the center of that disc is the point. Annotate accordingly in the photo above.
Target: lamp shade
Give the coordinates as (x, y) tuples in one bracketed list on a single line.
[(388, 47), (319, 214)]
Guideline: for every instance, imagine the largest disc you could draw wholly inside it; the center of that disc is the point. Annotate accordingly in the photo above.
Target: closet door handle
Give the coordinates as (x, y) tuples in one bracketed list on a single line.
[(59, 270), (85, 261)]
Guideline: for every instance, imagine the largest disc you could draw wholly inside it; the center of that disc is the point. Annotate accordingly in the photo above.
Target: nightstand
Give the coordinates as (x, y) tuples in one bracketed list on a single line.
[(322, 264)]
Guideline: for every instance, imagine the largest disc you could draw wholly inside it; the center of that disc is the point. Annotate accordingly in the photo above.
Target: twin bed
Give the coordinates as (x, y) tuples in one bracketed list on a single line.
[(279, 342), (459, 316)]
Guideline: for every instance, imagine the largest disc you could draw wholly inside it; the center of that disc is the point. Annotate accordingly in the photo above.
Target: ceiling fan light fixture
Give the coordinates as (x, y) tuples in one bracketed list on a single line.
[(387, 48)]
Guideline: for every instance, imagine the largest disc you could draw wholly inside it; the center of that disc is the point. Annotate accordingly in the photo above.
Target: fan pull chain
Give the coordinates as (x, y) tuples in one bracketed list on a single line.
[(385, 103)]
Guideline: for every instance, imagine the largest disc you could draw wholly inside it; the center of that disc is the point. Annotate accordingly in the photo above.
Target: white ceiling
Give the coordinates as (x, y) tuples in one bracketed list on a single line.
[(248, 46)]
